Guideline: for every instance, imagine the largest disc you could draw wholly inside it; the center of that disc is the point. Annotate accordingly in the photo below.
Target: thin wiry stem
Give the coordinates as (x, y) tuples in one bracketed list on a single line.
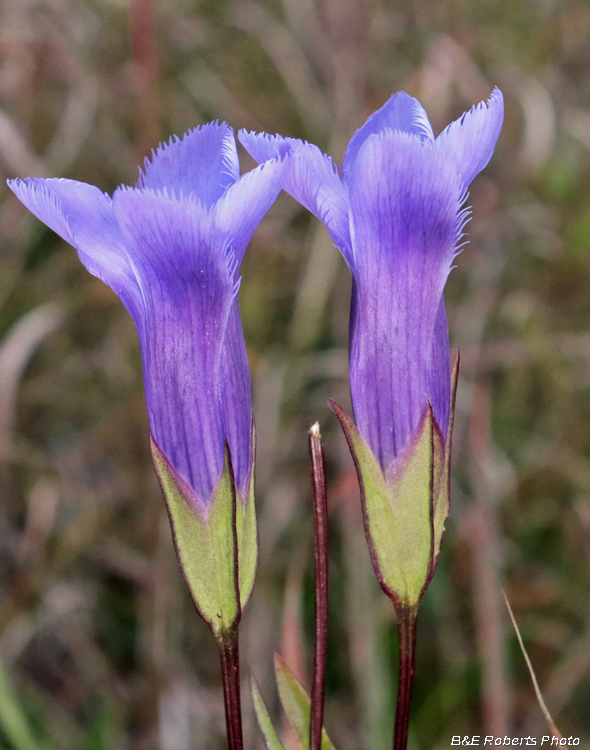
[(320, 524), (230, 668), (542, 704), (406, 622)]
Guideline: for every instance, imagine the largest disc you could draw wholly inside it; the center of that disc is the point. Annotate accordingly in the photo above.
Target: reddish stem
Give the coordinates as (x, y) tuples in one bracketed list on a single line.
[(406, 623), (320, 524), (230, 668)]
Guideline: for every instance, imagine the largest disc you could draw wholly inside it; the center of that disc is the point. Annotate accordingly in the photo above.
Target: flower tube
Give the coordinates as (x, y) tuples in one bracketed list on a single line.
[(395, 212), (171, 249)]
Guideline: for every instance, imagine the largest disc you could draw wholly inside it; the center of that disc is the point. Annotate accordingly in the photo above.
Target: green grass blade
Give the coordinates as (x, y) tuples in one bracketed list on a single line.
[(296, 705), (270, 736), (13, 719)]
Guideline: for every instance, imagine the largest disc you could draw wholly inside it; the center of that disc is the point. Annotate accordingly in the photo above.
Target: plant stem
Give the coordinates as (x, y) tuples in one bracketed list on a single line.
[(406, 623), (320, 524), (230, 668)]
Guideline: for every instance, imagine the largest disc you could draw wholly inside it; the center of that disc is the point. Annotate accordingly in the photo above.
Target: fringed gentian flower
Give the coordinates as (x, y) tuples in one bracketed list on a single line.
[(171, 249), (395, 214)]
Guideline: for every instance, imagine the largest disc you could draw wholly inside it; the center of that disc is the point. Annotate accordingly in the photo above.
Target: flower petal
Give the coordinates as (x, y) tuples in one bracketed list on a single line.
[(203, 162), (404, 232), (262, 146), (400, 112), (240, 210), (236, 400), (438, 370), (469, 141), (82, 215), (39, 197), (313, 181), (188, 285)]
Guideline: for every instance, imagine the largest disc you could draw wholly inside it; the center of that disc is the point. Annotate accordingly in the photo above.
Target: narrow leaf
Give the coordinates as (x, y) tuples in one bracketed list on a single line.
[(13, 720), (263, 718), (296, 705)]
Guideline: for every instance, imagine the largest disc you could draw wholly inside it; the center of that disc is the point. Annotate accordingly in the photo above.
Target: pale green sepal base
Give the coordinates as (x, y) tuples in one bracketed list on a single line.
[(247, 537), (271, 738), (205, 542), (296, 705), (397, 512)]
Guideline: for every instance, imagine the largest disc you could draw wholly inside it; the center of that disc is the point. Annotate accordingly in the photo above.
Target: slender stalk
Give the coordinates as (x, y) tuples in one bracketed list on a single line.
[(230, 668), (406, 623), (320, 524)]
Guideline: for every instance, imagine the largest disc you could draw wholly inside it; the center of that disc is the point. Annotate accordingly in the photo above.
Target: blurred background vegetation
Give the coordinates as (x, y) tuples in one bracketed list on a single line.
[(99, 646)]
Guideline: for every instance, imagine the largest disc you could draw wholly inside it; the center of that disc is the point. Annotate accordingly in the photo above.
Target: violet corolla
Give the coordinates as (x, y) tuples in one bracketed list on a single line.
[(395, 212), (171, 249)]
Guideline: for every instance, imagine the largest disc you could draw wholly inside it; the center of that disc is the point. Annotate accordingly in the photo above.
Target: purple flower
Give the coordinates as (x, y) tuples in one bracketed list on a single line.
[(171, 249), (395, 214)]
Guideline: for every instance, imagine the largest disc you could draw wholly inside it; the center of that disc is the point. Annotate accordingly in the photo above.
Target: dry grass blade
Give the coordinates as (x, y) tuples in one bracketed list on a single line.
[(15, 351), (16, 153), (544, 709), (289, 59)]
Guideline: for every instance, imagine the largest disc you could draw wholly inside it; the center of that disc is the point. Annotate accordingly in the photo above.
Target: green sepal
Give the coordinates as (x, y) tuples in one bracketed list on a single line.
[(296, 705), (405, 510), (247, 536), (443, 472), (397, 510), (271, 738), (205, 539)]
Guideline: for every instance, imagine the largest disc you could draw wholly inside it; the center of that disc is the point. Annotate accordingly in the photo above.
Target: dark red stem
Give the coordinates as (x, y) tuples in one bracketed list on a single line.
[(406, 623), (320, 524), (230, 668)]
